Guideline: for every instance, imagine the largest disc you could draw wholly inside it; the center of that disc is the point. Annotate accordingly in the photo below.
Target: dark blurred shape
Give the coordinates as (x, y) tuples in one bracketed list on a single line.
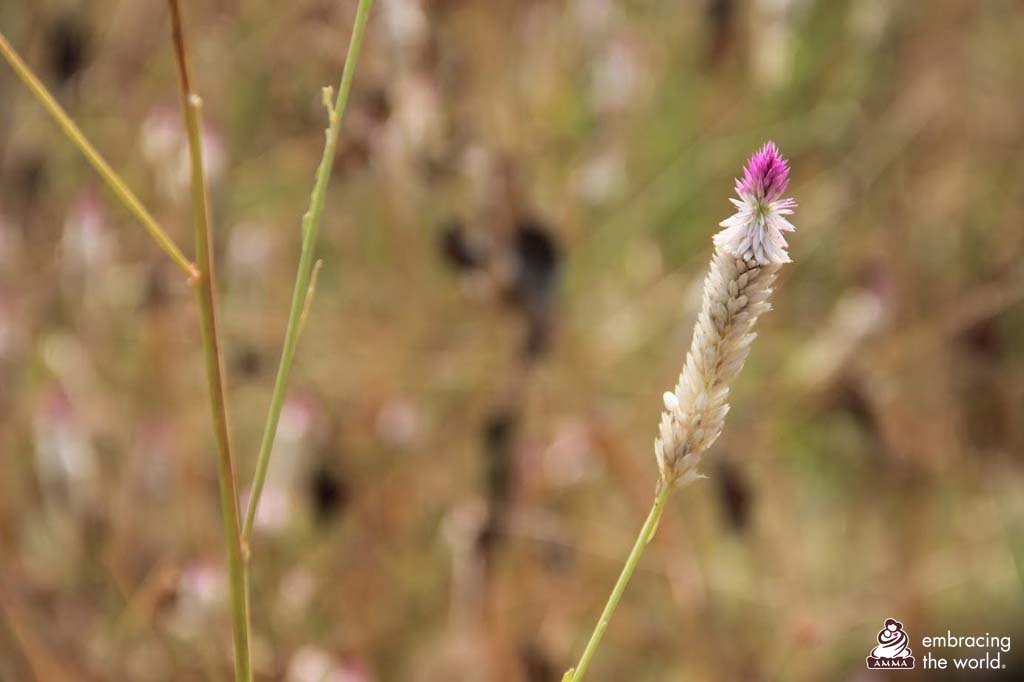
[(376, 104), (981, 382), (458, 250), (557, 557), (499, 473), (721, 21), (537, 666), (499, 436), (735, 497), (329, 494), (538, 257), (539, 330), (156, 294), (848, 396), (982, 339), (248, 362), (68, 45)]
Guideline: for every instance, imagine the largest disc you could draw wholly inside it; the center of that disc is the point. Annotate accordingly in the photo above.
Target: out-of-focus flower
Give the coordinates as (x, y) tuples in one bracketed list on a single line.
[(567, 458), (601, 178), (164, 146), (249, 250), (202, 584), (417, 127), (398, 422), (296, 592), (858, 314), (615, 77), (406, 22), (313, 664), (290, 461), (773, 41), (64, 456), (201, 589), (87, 245)]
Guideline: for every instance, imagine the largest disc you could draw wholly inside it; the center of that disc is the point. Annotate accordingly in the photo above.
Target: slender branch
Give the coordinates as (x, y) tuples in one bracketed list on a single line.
[(310, 226), (206, 290), (113, 180), (646, 534)]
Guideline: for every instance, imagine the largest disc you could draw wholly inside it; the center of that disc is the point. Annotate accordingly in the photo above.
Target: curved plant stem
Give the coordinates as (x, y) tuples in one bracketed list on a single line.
[(113, 180), (646, 534), (206, 291), (310, 226)]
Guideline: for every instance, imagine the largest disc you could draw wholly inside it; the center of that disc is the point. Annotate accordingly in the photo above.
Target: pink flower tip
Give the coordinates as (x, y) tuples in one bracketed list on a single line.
[(755, 232), (765, 176)]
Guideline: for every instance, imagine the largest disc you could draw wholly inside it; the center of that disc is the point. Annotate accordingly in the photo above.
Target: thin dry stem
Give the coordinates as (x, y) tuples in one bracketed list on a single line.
[(114, 181), (206, 288)]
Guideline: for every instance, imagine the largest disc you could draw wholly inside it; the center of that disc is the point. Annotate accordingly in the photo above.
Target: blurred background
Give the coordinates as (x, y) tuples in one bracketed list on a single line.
[(517, 228)]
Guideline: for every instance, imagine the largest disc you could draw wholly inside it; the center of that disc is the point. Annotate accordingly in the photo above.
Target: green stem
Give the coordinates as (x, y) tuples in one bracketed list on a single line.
[(310, 226), (646, 534), (113, 180), (206, 290)]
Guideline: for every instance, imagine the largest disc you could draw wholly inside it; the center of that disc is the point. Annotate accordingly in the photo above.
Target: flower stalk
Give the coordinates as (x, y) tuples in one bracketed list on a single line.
[(114, 181), (748, 255), (304, 278), (205, 285), (643, 539)]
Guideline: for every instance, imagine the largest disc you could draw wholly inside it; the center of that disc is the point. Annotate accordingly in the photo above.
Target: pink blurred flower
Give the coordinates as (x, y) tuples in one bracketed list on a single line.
[(165, 147), (87, 245), (313, 664)]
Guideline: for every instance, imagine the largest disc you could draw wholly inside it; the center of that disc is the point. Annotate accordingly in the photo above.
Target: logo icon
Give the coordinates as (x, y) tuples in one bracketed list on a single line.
[(893, 650)]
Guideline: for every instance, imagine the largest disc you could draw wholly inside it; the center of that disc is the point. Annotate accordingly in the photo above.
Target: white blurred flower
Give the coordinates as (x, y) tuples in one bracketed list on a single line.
[(406, 22), (313, 664), (64, 456), (200, 592), (87, 245), (602, 177), (164, 146), (615, 77), (289, 462), (249, 250), (398, 423), (566, 459)]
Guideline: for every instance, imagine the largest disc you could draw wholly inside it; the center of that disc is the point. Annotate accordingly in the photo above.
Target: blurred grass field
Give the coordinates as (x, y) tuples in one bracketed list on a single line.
[(517, 227)]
